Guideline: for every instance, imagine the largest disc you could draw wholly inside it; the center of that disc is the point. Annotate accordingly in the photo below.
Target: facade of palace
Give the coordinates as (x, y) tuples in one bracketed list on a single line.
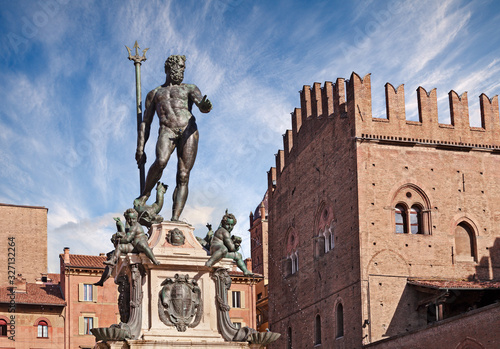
[(387, 230)]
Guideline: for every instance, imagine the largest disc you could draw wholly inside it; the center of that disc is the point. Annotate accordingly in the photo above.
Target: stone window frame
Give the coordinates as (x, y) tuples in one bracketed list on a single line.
[(291, 259), (294, 258), (43, 329), (472, 230), (339, 320), (317, 330), (236, 299), (40, 324), (83, 295), (81, 323), (408, 199), (324, 237), (329, 238)]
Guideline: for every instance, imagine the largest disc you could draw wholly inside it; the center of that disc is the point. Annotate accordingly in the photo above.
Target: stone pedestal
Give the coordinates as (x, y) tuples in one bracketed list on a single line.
[(179, 303), (178, 257)]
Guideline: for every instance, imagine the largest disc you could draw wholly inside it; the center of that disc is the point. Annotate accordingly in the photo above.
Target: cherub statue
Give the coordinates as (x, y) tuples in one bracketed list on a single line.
[(130, 239), (223, 245)]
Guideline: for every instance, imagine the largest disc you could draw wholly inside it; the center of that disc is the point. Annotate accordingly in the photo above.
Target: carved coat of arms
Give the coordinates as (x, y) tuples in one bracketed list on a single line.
[(180, 303)]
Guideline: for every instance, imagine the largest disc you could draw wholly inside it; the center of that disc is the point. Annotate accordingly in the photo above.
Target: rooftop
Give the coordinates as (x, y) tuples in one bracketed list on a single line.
[(257, 209), (85, 261), (455, 284), (47, 294), (56, 278), (25, 206)]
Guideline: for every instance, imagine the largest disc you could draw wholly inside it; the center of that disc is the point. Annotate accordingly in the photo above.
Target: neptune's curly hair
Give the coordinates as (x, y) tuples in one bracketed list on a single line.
[(174, 59)]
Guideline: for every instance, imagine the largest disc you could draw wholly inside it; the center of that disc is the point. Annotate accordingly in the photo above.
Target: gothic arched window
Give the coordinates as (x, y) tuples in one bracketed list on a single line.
[(340, 320), (412, 211), (43, 329), (317, 330), (465, 242), (415, 220), (400, 219)]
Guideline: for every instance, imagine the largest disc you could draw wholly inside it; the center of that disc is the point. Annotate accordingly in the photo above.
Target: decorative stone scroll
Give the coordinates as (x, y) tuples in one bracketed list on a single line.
[(228, 330), (130, 279)]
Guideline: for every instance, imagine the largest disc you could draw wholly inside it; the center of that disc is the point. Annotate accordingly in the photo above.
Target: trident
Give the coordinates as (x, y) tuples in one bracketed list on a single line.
[(137, 62)]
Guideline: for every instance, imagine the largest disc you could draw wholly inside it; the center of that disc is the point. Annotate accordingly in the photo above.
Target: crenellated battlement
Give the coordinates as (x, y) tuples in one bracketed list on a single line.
[(346, 105)]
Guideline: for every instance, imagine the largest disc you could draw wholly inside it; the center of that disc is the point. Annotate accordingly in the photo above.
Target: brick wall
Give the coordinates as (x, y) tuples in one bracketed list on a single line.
[(341, 170), (316, 172), (26, 329), (29, 227), (477, 329)]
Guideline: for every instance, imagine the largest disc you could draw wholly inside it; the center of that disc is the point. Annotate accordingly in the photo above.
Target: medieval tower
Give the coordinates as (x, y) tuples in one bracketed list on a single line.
[(384, 229)]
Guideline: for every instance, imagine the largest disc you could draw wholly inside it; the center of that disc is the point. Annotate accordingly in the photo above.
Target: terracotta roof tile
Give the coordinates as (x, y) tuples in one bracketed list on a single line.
[(455, 284), (35, 294), (81, 260), (238, 273), (56, 278)]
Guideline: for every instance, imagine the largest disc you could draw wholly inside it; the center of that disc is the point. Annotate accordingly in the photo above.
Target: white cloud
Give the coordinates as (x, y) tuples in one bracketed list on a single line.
[(83, 236), (68, 120), (197, 215)]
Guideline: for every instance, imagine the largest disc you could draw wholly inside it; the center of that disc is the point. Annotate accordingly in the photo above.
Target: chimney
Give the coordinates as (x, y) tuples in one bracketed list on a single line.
[(66, 255), (102, 254), (248, 263), (20, 284), (262, 211), (42, 279)]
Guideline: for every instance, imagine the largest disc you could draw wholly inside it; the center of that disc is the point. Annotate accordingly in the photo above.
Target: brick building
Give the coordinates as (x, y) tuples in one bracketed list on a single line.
[(28, 226), (241, 296), (387, 230), (32, 314), (87, 306), (260, 254)]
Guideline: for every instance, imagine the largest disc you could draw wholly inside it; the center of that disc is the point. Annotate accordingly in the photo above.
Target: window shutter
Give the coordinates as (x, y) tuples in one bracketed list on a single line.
[(230, 298), (81, 325), (80, 292), (94, 293), (96, 322), (242, 299)]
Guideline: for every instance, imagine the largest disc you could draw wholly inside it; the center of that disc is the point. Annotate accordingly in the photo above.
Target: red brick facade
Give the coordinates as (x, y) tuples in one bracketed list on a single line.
[(88, 306), (343, 188), (34, 314), (28, 226), (260, 254), (241, 296)]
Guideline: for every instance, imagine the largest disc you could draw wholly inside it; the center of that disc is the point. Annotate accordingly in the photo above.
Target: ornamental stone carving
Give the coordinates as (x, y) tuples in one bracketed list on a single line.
[(175, 237), (180, 303)]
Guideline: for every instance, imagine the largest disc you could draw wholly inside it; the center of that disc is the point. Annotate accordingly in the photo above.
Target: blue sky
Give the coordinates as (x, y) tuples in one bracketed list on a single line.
[(68, 123)]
